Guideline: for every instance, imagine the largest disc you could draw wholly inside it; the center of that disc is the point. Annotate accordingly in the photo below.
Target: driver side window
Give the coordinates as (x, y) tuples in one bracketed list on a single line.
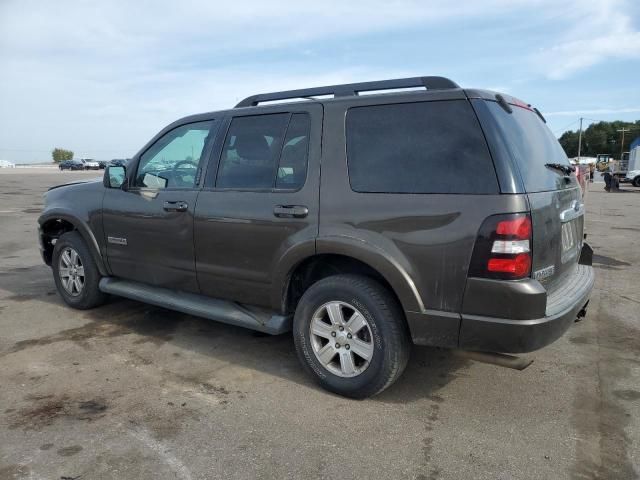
[(173, 160)]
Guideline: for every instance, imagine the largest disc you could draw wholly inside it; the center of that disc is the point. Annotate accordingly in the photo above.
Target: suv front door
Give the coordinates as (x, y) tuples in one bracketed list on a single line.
[(259, 206), (149, 226)]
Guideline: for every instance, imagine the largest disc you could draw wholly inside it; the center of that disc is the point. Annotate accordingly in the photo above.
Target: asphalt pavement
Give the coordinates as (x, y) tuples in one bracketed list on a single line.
[(132, 391)]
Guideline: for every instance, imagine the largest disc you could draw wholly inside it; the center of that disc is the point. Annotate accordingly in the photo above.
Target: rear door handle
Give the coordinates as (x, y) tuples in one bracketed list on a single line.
[(178, 206), (290, 211)]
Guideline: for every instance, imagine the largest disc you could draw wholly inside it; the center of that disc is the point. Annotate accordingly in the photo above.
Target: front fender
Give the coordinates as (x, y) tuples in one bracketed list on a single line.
[(82, 226)]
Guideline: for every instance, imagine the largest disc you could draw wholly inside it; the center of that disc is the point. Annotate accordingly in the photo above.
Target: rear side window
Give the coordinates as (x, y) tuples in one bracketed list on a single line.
[(292, 169), (265, 151), (251, 151), (532, 145), (425, 147)]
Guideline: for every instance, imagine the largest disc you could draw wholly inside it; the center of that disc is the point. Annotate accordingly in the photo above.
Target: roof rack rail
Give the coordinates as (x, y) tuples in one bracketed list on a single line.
[(351, 89)]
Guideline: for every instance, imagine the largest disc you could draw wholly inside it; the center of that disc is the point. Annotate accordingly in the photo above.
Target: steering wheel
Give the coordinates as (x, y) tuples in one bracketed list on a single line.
[(184, 162), (178, 177)]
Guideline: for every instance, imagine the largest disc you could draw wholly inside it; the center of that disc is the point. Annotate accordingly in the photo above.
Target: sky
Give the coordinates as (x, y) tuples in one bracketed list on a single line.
[(102, 77)]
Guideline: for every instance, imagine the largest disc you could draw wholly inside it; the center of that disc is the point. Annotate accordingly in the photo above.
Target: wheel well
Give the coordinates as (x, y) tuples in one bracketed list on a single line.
[(316, 268), (50, 231)]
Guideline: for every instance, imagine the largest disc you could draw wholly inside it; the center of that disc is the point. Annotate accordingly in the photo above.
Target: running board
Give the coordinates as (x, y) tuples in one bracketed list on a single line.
[(193, 304)]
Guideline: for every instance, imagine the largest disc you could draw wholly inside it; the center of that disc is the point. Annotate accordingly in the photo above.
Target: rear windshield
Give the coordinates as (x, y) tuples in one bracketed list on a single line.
[(532, 145)]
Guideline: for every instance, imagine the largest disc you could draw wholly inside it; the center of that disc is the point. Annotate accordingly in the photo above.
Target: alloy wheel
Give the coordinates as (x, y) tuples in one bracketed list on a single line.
[(71, 271), (341, 339)]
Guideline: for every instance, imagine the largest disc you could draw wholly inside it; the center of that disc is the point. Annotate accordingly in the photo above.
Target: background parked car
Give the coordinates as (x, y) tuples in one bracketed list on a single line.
[(7, 164), (71, 165), (103, 164), (90, 164)]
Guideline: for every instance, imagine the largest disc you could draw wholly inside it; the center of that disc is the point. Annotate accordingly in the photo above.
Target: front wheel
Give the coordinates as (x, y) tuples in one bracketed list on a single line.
[(636, 181), (75, 273), (350, 335)]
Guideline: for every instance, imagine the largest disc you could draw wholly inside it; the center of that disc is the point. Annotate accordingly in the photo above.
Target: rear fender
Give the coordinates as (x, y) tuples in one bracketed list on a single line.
[(392, 269)]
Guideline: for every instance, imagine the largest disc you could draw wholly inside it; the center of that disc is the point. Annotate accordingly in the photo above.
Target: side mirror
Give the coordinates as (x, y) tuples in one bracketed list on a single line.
[(115, 176)]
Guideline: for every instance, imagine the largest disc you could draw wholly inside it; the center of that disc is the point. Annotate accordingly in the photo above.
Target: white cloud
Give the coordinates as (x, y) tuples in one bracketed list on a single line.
[(118, 26), (101, 77), (600, 30)]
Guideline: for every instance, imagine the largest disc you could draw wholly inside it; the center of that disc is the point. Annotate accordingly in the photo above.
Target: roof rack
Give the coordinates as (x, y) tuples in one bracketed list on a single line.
[(351, 89)]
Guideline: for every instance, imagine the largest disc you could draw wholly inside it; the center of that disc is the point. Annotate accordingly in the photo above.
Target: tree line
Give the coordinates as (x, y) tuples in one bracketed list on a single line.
[(601, 137), (60, 154)]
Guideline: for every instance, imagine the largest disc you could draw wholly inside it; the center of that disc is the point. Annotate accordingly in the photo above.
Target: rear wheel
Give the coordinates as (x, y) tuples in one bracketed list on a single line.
[(351, 336), (75, 273)]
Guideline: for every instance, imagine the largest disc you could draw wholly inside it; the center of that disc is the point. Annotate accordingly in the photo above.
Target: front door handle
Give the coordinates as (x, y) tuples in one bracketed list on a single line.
[(178, 206), (290, 211)]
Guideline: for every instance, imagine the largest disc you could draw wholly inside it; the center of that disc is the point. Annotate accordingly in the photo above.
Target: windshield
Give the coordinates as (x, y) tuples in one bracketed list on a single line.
[(532, 146)]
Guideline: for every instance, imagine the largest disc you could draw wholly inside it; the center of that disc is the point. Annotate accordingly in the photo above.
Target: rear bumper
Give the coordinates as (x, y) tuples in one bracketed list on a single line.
[(518, 336)]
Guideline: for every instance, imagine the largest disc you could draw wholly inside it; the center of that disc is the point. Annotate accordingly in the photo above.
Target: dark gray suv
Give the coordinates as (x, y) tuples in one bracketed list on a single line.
[(364, 218)]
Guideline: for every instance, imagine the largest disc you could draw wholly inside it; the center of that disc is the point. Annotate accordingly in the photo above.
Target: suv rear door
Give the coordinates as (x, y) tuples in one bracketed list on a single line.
[(260, 201), (555, 199)]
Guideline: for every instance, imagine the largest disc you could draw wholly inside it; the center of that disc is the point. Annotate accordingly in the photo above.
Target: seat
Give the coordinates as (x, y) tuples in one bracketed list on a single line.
[(256, 169)]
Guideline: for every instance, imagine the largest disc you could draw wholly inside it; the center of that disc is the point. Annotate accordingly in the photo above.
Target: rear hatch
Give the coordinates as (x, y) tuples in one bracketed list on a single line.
[(555, 197)]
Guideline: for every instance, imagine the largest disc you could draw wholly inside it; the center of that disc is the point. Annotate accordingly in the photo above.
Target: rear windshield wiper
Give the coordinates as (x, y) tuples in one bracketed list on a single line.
[(566, 169)]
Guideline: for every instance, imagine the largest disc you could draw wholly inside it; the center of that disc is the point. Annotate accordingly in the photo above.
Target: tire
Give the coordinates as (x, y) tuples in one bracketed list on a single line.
[(82, 295), (636, 182), (384, 337)]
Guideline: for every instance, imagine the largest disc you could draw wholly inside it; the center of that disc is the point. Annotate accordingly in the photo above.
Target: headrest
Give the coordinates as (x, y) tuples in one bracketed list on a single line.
[(253, 147)]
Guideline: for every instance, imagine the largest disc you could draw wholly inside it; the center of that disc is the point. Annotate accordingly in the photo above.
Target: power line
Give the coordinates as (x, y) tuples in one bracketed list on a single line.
[(596, 120), (591, 120), (623, 131), (565, 127)]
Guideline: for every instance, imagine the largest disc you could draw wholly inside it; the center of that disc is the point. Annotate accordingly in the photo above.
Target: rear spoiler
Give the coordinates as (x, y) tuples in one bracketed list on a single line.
[(504, 100)]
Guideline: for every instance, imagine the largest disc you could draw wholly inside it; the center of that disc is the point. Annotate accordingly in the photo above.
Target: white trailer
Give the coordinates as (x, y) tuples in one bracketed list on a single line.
[(633, 170)]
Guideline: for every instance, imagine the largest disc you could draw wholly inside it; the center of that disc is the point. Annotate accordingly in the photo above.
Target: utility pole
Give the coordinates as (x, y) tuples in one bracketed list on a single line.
[(623, 131), (580, 141)]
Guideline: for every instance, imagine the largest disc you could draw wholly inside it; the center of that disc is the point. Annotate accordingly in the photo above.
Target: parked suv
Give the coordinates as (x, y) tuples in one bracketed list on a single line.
[(364, 223)]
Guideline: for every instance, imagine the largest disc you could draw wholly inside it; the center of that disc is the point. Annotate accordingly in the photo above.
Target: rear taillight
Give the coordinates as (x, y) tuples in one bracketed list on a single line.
[(503, 248)]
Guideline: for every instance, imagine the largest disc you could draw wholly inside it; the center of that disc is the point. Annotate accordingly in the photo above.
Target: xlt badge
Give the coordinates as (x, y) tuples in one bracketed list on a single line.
[(117, 240)]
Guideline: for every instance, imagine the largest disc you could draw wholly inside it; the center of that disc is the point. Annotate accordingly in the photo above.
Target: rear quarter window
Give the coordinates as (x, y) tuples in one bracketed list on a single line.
[(422, 147)]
